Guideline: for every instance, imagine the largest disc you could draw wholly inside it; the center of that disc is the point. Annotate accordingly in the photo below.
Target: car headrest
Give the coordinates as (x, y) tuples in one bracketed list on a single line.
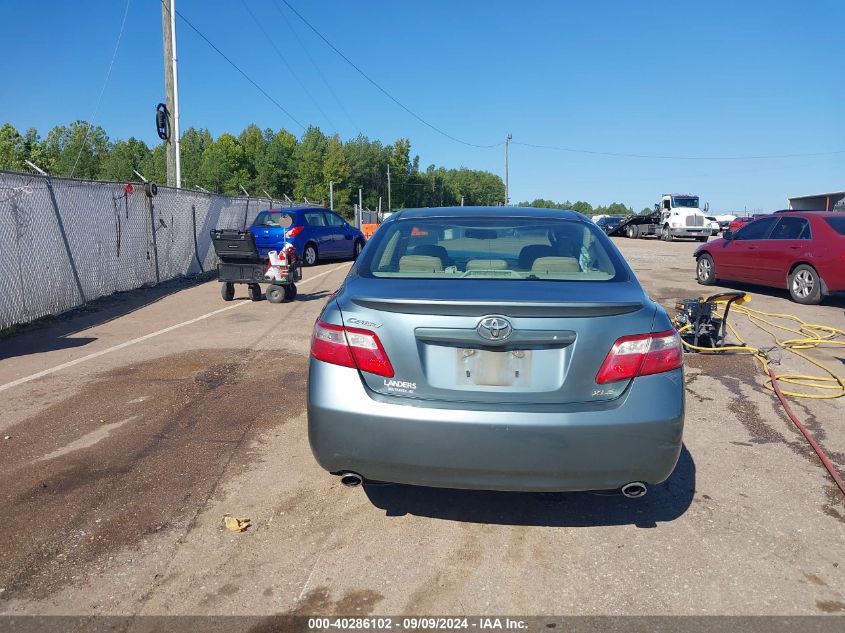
[(420, 264), (431, 250), (487, 264), (553, 265), (530, 253)]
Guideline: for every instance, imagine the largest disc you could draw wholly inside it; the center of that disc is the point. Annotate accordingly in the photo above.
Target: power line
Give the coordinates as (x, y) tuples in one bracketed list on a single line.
[(234, 65), (289, 67), (658, 156), (103, 89), (383, 90), (315, 65)]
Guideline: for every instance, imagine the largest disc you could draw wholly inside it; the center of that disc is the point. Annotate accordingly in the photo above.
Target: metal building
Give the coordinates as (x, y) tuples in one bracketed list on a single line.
[(818, 202)]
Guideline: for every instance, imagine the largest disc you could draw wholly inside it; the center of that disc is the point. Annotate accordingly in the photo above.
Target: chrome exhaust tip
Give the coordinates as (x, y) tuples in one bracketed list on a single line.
[(351, 480), (634, 490)]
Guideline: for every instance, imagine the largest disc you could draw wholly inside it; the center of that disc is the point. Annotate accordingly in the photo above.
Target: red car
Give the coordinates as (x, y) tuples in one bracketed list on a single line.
[(737, 223), (803, 252)]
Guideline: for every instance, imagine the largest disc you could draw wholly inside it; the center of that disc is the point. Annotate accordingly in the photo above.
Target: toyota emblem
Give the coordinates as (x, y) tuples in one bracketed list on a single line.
[(494, 328)]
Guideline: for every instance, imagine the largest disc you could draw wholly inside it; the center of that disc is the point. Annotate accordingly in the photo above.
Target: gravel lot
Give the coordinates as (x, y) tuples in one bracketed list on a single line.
[(118, 468)]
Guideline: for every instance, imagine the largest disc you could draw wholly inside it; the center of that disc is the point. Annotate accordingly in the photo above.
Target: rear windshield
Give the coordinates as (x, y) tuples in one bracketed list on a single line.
[(492, 248), (274, 218), (837, 224)]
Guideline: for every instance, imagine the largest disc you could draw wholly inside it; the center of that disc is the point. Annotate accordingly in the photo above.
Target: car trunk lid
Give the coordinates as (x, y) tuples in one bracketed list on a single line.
[(461, 342)]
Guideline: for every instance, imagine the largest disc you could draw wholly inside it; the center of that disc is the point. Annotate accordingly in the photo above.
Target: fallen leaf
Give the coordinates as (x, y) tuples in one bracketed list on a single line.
[(235, 524)]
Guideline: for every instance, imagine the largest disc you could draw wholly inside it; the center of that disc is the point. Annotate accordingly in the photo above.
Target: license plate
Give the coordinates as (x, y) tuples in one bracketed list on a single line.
[(485, 368)]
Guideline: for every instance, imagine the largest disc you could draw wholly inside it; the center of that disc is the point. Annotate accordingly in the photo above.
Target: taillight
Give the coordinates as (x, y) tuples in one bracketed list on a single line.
[(294, 231), (641, 355), (350, 347)]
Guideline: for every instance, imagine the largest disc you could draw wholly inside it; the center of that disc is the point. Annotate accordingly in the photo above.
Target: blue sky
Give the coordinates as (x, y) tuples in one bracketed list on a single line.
[(656, 78)]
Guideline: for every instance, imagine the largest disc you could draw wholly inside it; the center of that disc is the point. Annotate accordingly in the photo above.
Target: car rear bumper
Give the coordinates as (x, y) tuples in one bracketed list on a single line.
[(636, 437)]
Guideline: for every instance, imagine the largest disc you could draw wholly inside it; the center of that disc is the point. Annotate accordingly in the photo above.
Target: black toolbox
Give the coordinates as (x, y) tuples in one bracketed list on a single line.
[(240, 263), (235, 246)]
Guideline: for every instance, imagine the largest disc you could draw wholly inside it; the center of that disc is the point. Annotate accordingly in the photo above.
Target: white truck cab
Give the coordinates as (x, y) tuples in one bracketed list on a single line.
[(682, 216)]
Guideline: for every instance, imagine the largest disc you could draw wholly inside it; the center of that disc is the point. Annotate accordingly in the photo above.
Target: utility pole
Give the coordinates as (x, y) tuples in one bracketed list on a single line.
[(331, 195), (171, 86), (507, 189), (389, 204)]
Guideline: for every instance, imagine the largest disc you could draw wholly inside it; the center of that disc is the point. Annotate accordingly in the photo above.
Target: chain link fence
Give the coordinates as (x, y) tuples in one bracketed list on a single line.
[(365, 216), (66, 242)]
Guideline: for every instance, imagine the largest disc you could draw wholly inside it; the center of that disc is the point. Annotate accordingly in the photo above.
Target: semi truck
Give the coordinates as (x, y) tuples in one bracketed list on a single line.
[(676, 215)]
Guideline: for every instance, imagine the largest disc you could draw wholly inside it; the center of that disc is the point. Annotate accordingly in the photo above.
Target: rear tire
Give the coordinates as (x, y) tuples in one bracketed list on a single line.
[(227, 291), (310, 255), (631, 232), (356, 250), (705, 270), (254, 292), (805, 285), (275, 293)]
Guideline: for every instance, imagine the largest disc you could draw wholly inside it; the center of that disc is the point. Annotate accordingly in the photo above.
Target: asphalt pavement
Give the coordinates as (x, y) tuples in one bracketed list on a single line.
[(133, 428)]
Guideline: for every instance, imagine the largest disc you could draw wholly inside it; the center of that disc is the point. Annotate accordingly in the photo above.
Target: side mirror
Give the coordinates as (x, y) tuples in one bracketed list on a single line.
[(728, 236)]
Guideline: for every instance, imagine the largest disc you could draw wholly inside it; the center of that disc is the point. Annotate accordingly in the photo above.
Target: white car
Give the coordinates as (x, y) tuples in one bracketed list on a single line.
[(714, 225)]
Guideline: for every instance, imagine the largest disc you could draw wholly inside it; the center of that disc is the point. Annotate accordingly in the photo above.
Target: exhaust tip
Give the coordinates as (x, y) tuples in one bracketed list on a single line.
[(351, 480), (634, 490)]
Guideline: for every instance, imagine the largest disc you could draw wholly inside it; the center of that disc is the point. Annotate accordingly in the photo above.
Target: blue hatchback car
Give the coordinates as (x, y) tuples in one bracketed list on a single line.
[(315, 232)]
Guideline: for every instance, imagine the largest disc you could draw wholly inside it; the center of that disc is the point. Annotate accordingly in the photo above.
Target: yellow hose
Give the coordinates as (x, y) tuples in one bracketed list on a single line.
[(810, 336)]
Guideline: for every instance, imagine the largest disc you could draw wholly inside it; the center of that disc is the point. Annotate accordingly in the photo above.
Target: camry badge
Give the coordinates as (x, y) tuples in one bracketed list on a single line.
[(494, 328)]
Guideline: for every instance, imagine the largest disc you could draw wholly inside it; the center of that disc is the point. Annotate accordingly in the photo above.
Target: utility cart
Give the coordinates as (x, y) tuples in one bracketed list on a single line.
[(240, 263)]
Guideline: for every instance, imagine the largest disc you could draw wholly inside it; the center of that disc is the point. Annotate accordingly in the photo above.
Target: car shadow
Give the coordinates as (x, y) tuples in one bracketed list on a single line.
[(664, 502), (836, 300), (313, 296)]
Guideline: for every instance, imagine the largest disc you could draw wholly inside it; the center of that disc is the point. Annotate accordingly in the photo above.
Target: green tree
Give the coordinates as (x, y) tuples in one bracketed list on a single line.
[(541, 203), (78, 149), (12, 149), (254, 145), (264, 160), (400, 171), (337, 171), (192, 146), (36, 150), (222, 166), (154, 166), (368, 165), (279, 169), (125, 157), (615, 208), (310, 155), (476, 187)]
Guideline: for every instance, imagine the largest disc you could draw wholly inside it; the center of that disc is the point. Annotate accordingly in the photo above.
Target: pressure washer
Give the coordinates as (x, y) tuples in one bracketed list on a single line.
[(699, 322)]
